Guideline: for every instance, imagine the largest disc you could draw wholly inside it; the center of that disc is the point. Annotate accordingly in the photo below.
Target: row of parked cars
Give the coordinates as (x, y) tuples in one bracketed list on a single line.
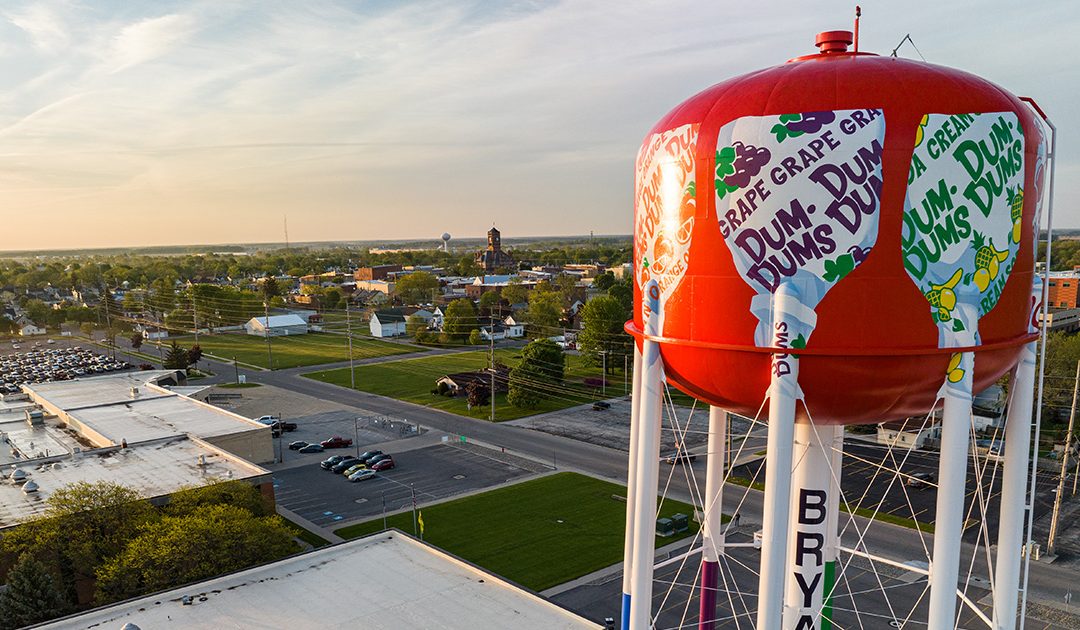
[(317, 447), (359, 468), (53, 364)]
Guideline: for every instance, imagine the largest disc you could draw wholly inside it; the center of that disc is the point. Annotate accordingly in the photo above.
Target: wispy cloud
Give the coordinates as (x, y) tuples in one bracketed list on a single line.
[(386, 119)]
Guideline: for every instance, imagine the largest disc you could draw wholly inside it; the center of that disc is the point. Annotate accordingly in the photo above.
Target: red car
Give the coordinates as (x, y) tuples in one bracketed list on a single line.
[(336, 442), (383, 464)]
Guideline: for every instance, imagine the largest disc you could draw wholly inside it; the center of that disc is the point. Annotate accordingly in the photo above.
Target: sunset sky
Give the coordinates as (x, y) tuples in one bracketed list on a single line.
[(151, 123)]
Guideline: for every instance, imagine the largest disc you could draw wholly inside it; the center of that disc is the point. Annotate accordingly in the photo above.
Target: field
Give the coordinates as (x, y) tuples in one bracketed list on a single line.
[(413, 379), (295, 350), (538, 533)]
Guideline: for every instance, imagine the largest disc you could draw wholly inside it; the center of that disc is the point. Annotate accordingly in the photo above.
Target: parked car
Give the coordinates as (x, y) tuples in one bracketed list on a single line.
[(297, 445), (267, 420), (600, 405), (312, 448), (681, 456), (382, 464), (288, 426), (360, 475), (354, 469), (332, 461), (336, 442), (344, 464), (920, 479), (371, 461), (367, 455)]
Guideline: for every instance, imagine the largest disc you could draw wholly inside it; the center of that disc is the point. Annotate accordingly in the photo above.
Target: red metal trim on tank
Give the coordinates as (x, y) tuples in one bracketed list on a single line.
[(632, 330)]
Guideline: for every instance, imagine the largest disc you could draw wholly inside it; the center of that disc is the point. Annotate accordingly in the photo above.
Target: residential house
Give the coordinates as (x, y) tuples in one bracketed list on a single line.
[(909, 433), (28, 328), (508, 328), (276, 326), (459, 382), (387, 323)]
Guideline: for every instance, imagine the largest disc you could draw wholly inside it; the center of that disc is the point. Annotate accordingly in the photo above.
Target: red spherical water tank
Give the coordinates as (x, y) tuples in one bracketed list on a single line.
[(896, 199)]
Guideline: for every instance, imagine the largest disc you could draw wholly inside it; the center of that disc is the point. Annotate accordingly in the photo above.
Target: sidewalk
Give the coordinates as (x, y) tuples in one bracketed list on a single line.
[(308, 525)]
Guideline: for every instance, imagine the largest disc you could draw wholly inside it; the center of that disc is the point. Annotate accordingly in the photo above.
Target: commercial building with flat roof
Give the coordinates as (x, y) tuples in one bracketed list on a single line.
[(386, 580)]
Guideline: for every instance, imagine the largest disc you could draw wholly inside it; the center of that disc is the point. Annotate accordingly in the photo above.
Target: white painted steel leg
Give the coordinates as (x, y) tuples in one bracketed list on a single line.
[(952, 487), (1014, 478), (810, 505), (783, 396), (631, 490), (648, 469), (832, 538), (712, 526)]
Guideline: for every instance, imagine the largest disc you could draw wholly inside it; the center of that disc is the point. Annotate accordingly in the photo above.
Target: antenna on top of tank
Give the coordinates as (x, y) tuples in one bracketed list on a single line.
[(858, 14), (907, 38)]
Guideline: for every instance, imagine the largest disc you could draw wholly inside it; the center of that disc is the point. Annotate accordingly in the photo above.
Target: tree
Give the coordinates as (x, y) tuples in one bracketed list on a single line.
[(183, 549), (36, 311), (176, 358), (415, 325), (136, 340), (269, 289), (545, 311), (515, 292), (604, 281), (474, 338), (194, 354), (623, 291), (566, 285), (491, 303), (32, 595), (602, 331), (542, 365), (86, 328), (235, 493), (478, 394), (417, 287), (459, 320)]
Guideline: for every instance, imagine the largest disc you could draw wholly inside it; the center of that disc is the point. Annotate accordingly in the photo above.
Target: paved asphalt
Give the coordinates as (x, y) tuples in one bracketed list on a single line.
[(434, 472), (1047, 582)]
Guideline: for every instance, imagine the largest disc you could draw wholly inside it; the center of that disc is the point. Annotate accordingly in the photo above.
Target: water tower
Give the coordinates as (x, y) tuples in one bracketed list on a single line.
[(842, 239), (446, 241)]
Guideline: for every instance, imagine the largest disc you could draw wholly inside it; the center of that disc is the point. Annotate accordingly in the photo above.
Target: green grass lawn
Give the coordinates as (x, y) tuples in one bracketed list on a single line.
[(295, 350), (538, 533), (413, 379)]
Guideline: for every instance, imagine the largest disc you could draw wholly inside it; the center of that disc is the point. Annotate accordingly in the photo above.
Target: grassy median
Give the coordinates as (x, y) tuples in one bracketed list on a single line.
[(294, 350), (538, 533)]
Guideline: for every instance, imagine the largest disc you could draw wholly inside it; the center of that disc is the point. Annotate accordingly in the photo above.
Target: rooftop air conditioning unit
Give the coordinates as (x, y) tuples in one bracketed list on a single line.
[(35, 417)]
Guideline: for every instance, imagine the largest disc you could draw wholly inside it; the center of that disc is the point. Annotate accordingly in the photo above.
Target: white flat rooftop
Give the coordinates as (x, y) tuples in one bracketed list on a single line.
[(106, 404), (153, 469), (383, 581)]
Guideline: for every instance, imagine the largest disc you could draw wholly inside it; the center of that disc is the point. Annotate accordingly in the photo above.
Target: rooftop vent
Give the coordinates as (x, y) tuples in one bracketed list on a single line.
[(35, 417), (134, 393), (30, 487), (19, 476)]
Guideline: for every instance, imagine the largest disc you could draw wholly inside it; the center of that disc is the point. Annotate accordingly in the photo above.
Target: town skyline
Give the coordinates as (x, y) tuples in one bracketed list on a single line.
[(195, 122)]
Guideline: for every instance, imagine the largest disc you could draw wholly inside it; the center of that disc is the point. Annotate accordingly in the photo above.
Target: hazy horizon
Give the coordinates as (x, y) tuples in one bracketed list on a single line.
[(166, 124)]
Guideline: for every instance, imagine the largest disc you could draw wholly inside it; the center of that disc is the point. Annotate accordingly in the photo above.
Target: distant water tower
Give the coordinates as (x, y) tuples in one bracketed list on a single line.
[(446, 241)]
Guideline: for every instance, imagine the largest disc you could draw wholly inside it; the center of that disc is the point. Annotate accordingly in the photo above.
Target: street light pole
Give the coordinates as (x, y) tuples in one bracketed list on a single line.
[(236, 369), (603, 373), (348, 333), (491, 345), (356, 435)]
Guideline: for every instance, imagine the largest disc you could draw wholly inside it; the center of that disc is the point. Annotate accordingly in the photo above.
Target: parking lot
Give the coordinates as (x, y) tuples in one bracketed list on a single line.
[(45, 361), (434, 472)]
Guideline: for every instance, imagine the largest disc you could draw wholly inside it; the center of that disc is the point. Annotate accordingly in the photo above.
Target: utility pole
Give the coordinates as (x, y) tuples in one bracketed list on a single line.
[(108, 321), (625, 365), (236, 369), (194, 315), (266, 331), (491, 338), (356, 435), (603, 373), (1064, 465), (348, 333), (412, 488)]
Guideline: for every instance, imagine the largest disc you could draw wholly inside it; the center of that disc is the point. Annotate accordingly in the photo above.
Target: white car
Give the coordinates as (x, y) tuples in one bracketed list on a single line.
[(361, 475), (266, 419)]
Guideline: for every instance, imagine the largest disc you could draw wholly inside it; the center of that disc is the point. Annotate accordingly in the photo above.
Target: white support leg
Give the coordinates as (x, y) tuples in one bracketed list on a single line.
[(952, 489), (631, 490), (648, 469), (712, 526), (1014, 478), (810, 508), (832, 538), (783, 396)]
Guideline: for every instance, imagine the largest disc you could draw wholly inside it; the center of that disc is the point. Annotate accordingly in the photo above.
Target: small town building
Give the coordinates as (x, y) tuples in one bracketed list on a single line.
[(276, 326), (28, 328), (908, 433), (494, 257), (387, 323), (1061, 319), (459, 382), (378, 272)]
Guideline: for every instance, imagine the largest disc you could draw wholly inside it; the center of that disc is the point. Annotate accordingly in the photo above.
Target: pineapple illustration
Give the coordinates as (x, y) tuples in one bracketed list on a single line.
[(955, 372), (1016, 205), (943, 297), (988, 261)]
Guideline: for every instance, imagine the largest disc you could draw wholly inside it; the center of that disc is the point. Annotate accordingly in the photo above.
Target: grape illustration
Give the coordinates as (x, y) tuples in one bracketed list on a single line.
[(795, 125), (749, 160)]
